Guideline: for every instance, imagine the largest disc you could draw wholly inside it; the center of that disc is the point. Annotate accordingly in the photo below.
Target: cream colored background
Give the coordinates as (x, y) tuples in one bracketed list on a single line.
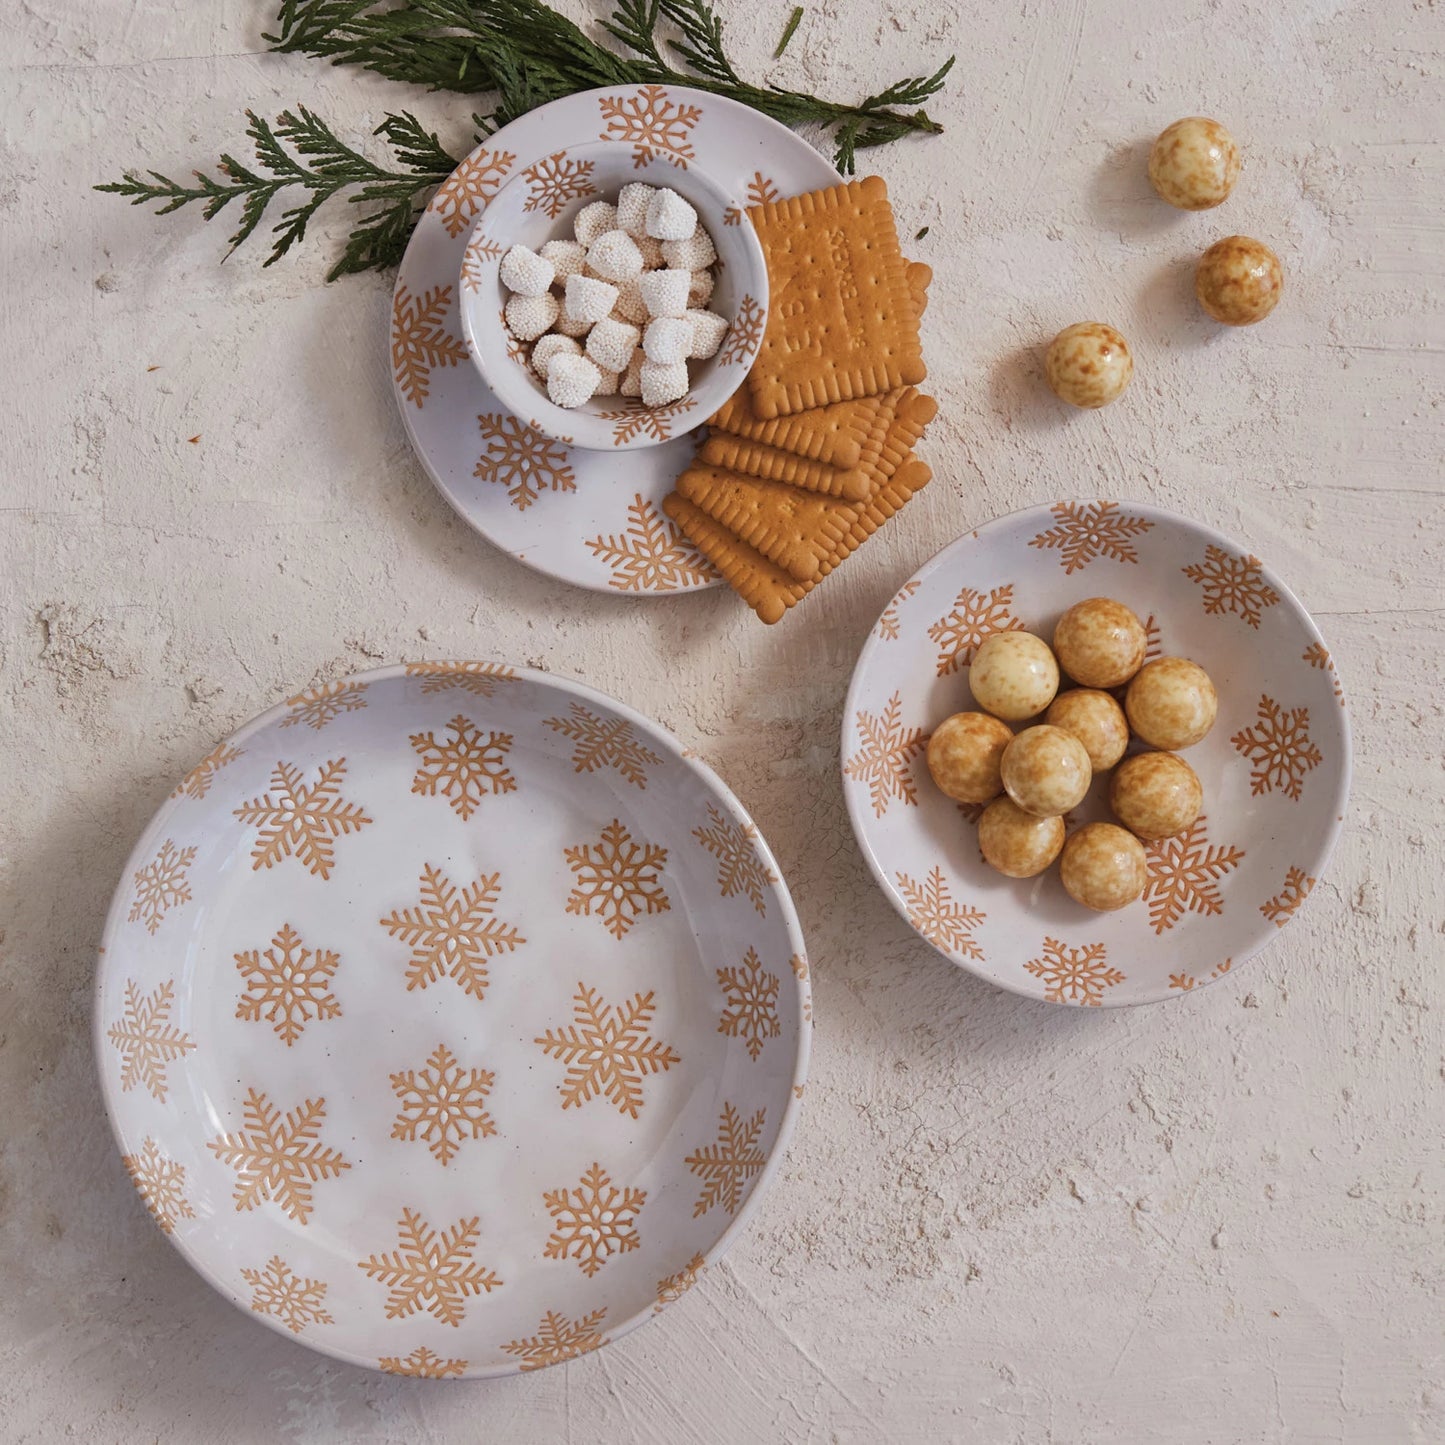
[(1216, 1220)]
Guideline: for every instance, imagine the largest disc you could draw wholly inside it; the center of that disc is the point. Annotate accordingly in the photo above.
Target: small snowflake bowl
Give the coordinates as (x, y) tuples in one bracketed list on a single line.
[(451, 1020), (540, 204), (1275, 766)]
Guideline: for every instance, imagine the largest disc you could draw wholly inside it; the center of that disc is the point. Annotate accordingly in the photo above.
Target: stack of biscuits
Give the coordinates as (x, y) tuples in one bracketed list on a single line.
[(815, 451)]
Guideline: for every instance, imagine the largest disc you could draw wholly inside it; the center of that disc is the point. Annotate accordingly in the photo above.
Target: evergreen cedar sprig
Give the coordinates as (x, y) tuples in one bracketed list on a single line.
[(525, 53)]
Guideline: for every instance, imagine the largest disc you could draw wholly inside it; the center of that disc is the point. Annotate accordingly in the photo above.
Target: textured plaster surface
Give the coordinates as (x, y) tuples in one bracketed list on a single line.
[(1217, 1220)]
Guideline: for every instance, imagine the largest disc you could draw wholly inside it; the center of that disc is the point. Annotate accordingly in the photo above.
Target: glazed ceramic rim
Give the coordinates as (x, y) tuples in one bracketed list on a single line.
[(1045, 513), (656, 734), (520, 393)]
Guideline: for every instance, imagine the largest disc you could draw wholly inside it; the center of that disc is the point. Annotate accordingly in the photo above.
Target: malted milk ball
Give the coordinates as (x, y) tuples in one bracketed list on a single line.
[(1014, 675), (1155, 795), (1096, 720), (1103, 867), (1016, 844), (1046, 771), (1088, 365), (1194, 163), (1100, 643), (1239, 281), (1171, 703), (964, 754)]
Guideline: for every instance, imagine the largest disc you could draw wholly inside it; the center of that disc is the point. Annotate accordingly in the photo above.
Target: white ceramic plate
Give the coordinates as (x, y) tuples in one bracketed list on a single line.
[(590, 518), (451, 1020), (1275, 767)]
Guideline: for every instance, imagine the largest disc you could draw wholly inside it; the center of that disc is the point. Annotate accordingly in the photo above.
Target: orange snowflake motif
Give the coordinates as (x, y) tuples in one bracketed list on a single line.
[(1074, 975), (555, 182), (452, 934), (420, 340), (521, 459), (422, 1364), (278, 1156), (431, 1270), (887, 755), (284, 1295), (761, 192), (944, 922), (464, 769), (478, 678), (1284, 905), (197, 782), (1153, 642), (651, 555), (608, 1051), (465, 193), (161, 885), (161, 1183), (1318, 655), (303, 820), (592, 1222), (1184, 874), (604, 743), (740, 869), (1089, 530), (751, 1008), (559, 1338), (1279, 746), (146, 1039), (632, 419), (443, 1104), (672, 1287), (321, 705), (744, 335), (888, 623), (1232, 584), (617, 879), (726, 1165), (516, 347), (1184, 982), (480, 250), (975, 616), (288, 985), (655, 127)]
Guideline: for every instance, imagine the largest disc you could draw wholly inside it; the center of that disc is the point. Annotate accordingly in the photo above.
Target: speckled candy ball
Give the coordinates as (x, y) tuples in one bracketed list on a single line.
[(1171, 703), (1239, 281), (1096, 720), (1194, 163), (1103, 867), (1100, 643), (1088, 365), (1046, 771), (1014, 675), (964, 755), (1155, 795), (1016, 844)]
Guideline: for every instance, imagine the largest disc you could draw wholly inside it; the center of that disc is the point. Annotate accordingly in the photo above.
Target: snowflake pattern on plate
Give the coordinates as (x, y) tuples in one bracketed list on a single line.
[(726, 1165), (656, 127), (1279, 745), (464, 768), (973, 617), (554, 183), (888, 623), (1086, 531), (1232, 585), (1074, 975), (1184, 874), (672, 1287), (617, 879), (604, 743), (321, 705), (744, 335), (522, 459), (593, 1221), (887, 756), (197, 783), (1285, 904), (443, 1104), (421, 341), (287, 1296), (161, 1183), (632, 419), (304, 819), (162, 885), (431, 1270), (940, 918), (740, 868), (478, 678), (559, 1338), (287, 985), (750, 1010), (146, 1038), (422, 1364), (651, 555), (760, 192), (465, 193)]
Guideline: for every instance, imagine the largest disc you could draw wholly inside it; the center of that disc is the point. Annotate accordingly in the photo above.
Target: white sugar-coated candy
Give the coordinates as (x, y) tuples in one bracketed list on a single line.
[(663, 381), (708, 330), (692, 253), (700, 292), (529, 316), (593, 220), (567, 258), (589, 299), (630, 306), (608, 384), (664, 293), (669, 217), (566, 326), (572, 380), (650, 249), (611, 344), (549, 346), (667, 339), (525, 273), (614, 256), (632, 203), (631, 383)]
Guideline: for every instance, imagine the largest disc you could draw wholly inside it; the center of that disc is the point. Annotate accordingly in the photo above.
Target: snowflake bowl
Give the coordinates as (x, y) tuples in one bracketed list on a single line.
[(540, 204), (451, 1019), (1275, 766)]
